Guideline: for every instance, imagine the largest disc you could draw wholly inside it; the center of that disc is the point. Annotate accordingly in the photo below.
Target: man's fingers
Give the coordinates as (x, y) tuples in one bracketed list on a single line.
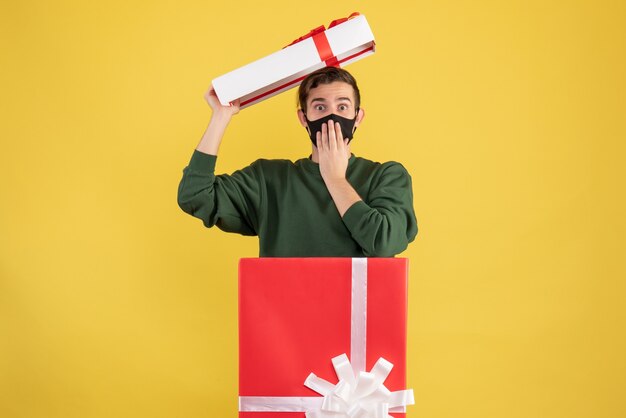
[(338, 133), (235, 106), (324, 135), (332, 140)]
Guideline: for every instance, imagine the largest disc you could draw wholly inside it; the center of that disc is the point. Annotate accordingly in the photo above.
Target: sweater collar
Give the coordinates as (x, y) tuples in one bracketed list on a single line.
[(314, 167)]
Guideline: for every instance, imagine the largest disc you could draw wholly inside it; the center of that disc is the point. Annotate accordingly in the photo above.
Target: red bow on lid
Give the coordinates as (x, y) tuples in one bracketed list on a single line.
[(320, 29)]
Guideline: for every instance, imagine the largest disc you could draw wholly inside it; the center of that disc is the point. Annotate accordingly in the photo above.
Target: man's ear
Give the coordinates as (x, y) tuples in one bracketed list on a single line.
[(359, 116), (302, 118)]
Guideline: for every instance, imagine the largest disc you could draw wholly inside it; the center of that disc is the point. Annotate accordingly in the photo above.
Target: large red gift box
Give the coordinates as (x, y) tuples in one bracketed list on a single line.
[(296, 314)]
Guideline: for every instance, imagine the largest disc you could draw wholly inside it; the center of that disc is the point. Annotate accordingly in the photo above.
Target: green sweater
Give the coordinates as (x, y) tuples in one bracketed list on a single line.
[(289, 207)]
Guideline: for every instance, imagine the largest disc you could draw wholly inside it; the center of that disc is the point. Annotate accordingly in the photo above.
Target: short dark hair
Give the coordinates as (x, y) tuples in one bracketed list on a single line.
[(326, 75)]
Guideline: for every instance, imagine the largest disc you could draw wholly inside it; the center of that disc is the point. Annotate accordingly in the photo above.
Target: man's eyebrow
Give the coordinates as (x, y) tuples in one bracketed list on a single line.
[(321, 99)]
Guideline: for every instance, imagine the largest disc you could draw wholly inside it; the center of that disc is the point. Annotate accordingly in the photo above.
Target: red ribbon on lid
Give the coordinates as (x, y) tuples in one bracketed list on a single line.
[(343, 19), (321, 42), (311, 33), (321, 28)]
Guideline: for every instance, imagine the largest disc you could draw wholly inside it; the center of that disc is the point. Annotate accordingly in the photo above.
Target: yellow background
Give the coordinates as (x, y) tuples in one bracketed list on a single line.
[(510, 116)]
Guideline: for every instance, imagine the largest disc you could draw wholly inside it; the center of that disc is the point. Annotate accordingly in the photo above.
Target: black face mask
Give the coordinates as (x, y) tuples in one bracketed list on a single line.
[(315, 126)]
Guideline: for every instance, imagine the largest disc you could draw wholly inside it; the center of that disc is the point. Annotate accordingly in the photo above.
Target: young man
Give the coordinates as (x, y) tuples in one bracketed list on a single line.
[(331, 204)]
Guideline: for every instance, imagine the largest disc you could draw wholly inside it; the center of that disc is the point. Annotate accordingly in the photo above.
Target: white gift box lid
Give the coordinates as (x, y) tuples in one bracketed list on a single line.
[(349, 41)]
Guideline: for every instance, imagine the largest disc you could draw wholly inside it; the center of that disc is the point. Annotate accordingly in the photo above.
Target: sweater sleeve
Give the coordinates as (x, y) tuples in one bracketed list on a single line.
[(384, 224), (231, 202)]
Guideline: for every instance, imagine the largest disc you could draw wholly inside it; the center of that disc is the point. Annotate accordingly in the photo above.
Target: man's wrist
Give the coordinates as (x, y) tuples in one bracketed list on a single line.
[(221, 118), (337, 181)]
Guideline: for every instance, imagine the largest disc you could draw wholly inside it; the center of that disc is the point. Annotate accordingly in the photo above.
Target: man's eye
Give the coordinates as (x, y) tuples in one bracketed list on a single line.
[(343, 107), (319, 107)]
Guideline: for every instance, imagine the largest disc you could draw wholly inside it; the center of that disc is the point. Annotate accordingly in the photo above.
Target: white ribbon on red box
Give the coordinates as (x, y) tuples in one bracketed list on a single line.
[(358, 394)]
